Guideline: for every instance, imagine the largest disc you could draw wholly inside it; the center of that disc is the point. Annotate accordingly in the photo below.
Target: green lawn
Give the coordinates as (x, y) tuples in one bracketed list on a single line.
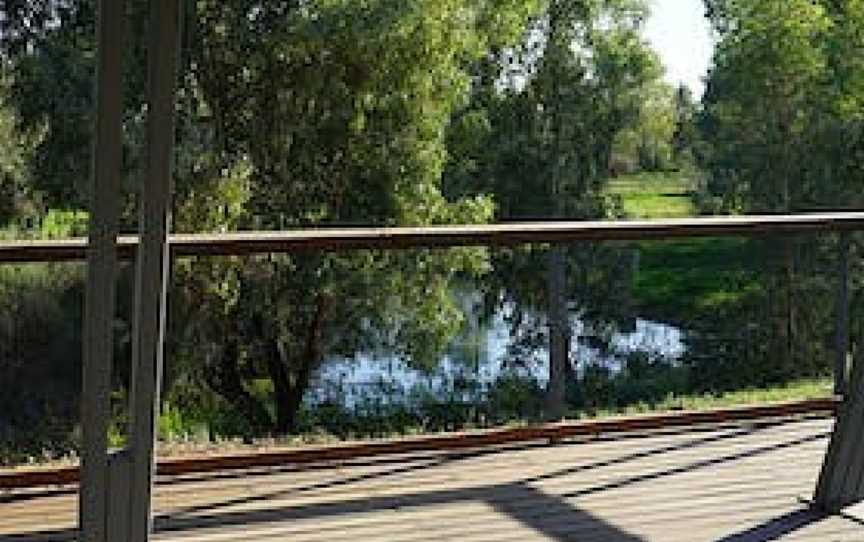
[(655, 195), (800, 390), (683, 279)]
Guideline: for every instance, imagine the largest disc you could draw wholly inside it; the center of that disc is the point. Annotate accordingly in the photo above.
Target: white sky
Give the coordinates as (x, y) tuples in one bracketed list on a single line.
[(681, 35)]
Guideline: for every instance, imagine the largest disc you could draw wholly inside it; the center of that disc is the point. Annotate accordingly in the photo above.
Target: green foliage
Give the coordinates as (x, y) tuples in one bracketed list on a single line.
[(793, 391), (53, 224), (40, 358), (513, 397), (52, 87), (647, 144), (780, 131), (420, 112), (16, 160), (41, 307), (762, 106), (685, 139), (333, 112), (63, 224), (346, 125), (561, 128)]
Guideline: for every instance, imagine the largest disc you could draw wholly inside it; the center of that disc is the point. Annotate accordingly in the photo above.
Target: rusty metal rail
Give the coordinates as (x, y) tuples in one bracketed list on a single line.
[(341, 239), (40, 477)]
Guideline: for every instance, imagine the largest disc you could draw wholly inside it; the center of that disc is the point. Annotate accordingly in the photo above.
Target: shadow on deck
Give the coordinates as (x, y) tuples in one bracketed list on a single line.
[(732, 484)]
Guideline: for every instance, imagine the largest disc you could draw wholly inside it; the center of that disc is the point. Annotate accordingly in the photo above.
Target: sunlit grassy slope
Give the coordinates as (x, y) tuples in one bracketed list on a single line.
[(682, 279), (655, 195), (799, 390)]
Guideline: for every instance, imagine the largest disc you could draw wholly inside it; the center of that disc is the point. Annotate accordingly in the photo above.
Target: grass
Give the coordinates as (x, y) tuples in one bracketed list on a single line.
[(655, 195), (55, 224), (793, 391), (681, 280), (800, 390), (693, 282), (176, 445)]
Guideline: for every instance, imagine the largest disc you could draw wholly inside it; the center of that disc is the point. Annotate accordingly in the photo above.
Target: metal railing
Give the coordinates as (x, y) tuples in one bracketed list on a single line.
[(344, 239)]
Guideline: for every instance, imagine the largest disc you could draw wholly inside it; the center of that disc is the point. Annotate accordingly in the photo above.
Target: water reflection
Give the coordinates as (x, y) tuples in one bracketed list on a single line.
[(477, 360)]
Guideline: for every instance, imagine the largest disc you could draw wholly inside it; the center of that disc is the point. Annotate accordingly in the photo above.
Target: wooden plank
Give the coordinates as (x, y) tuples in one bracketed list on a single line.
[(341, 239), (507, 496), (641, 510), (566, 462), (700, 473), (748, 476)]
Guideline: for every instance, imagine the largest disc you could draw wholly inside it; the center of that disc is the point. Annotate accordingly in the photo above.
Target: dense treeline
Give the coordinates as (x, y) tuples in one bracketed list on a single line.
[(316, 113), (300, 114), (781, 132)]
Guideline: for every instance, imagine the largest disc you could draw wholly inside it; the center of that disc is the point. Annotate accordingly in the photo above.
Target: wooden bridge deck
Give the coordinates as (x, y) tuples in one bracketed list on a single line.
[(735, 483)]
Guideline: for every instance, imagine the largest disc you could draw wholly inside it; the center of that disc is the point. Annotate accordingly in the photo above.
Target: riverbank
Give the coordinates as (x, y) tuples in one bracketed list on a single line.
[(199, 444)]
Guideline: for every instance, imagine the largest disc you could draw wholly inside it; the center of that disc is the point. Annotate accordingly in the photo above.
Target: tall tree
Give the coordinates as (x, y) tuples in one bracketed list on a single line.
[(291, 115), (345, 125), (684, 136), (768, 62), (16, 160), (547, 120), (780, 132)]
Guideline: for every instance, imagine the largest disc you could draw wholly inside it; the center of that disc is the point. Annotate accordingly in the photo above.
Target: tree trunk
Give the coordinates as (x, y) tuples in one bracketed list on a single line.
[(559, 334), (289, 387), (791, 324), (841, 319), (776, 311), (282, 389), (789, 248), (225, 380)]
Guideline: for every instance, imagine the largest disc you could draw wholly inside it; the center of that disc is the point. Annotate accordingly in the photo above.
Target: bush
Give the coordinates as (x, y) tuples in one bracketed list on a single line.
[(40, 358)]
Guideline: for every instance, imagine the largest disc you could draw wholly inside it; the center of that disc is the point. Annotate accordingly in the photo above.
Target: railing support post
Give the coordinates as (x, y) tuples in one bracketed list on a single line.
[(841, 482), (841, 341), (100, 295), (153, 260), (118, 492)]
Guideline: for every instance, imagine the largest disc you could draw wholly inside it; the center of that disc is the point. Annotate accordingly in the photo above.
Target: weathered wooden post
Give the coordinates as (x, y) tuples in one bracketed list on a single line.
[(98, 339), (153, 261), (841, 482), (115, 497)]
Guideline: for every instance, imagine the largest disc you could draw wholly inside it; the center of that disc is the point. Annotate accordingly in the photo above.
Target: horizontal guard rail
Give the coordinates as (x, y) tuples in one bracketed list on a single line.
[(342, 239), (39, 477)]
